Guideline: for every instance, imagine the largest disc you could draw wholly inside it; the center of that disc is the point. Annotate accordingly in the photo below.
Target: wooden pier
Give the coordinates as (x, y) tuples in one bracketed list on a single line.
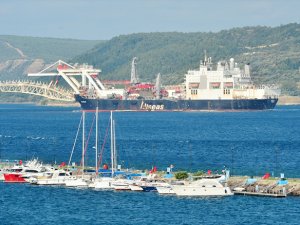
[(262, 194)]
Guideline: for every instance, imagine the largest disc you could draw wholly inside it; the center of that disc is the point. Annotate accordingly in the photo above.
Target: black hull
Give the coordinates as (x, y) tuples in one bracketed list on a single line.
[(172, 105)]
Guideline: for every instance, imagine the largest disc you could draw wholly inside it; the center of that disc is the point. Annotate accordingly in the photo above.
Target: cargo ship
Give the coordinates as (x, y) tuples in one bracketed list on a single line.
[(221, 86), (211, 87)]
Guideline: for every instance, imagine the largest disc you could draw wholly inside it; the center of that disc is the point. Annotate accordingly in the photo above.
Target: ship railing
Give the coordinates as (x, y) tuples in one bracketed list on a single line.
[(270, 87)]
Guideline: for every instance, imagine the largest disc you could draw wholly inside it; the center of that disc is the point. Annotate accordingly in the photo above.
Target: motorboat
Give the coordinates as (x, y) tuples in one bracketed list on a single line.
[(21, 173), (58, 177), (202, 187), (148, 183)]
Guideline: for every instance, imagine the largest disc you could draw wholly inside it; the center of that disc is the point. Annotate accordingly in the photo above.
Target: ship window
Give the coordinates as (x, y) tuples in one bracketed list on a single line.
[(215, 85), (226, 91), (194, 92), (31, 171)]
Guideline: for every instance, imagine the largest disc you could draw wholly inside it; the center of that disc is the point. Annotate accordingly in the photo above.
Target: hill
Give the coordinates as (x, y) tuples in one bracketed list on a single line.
[(19, 55), (274, 54)]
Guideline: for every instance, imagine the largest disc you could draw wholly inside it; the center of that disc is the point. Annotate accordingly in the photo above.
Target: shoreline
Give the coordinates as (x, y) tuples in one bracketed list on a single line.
[(292, 187), (288, 100)]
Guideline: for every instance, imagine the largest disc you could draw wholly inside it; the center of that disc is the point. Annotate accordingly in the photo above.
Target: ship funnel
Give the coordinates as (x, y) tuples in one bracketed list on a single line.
[(158, 86), (231, 64), (134, 76), (247, 70)]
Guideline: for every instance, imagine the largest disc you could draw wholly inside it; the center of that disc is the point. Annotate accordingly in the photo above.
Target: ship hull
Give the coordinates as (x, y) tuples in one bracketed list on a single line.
[(175, 105)]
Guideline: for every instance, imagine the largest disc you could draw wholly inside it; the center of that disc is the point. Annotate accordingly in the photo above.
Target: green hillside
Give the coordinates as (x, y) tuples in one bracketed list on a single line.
[(274, 54), (49, 49)]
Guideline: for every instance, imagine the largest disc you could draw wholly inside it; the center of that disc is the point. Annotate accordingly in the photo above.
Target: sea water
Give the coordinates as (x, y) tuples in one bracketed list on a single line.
[(247, 143)]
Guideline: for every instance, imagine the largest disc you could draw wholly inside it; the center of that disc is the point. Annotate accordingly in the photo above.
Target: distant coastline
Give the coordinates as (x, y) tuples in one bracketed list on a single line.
[(289, 100)]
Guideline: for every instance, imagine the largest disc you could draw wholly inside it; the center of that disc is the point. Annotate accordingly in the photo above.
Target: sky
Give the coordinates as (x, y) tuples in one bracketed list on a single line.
[(105, 19)]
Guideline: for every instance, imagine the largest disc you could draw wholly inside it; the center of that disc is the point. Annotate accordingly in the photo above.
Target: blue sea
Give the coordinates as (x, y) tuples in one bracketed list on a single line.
[(247, 143)]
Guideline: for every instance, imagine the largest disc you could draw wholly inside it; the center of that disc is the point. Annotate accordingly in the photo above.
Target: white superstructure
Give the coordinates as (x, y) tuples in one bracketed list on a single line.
[(226, 81)]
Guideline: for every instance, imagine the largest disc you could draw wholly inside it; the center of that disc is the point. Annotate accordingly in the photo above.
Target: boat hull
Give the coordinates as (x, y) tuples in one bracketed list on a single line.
[(175, 105), (77, 183), (134, 187), (104, 183), (183, 190), (14, 178), (149, 188), (165, 190)]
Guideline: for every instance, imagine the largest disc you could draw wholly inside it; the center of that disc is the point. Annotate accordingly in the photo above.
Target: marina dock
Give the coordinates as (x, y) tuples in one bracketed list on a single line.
[(261, 194), (265, 187)]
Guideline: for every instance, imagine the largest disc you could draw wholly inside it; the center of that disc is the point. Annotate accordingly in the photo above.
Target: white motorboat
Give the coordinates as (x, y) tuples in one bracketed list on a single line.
[(202, 187), (167, 189), (58, 177), (22, 173)]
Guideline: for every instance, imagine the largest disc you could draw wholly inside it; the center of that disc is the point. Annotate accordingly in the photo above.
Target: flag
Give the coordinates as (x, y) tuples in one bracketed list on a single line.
[(266, 176), (154, 169)]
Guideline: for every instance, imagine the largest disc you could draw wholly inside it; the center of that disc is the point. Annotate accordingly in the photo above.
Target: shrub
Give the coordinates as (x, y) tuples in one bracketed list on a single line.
[(181, 175)]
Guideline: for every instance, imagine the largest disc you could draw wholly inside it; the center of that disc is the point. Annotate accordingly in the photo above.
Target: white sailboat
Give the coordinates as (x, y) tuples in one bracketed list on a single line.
[(107, 182), (80, 181)]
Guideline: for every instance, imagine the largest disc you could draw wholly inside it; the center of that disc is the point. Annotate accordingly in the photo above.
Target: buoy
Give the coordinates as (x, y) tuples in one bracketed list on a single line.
[(105, 166)]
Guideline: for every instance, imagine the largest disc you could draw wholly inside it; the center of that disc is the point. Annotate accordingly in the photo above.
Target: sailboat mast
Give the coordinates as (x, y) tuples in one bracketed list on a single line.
[(111, 145), (96, 144), (83, 139), (115, 150)]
